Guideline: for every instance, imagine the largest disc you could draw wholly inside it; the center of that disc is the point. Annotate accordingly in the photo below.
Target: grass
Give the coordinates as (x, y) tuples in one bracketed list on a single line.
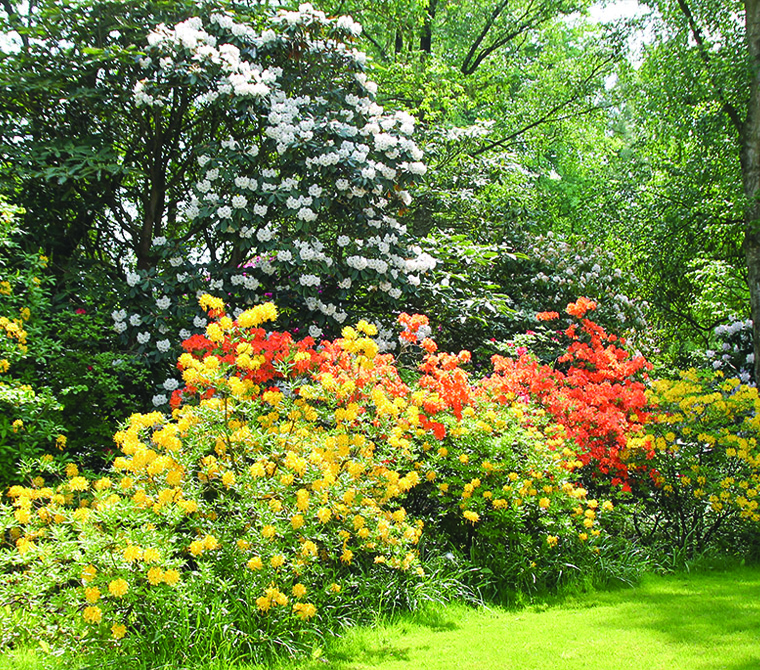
[(697, 621), (704, 621)]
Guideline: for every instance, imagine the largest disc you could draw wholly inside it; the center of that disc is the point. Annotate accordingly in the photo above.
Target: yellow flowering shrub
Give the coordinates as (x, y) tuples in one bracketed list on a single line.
[(507, 492), (701, 451), (30, 415), (268, 488)]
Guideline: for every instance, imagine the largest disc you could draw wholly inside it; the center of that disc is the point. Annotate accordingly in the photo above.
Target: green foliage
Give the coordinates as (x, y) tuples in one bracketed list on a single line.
[(30, 421)]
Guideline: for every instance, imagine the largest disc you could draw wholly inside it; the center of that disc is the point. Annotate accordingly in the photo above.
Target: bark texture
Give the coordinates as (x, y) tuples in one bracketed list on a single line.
[(750, 164)]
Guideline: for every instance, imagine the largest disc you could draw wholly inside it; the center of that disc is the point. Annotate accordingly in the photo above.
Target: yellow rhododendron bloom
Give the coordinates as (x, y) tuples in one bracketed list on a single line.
[(309, 548), (254, 317), (299, 590), (132, 553), (118, 587), (171, 577), (92, 594), (471, 516), (255, 563), (22, 515), (209, 302), (210, 542), (305, 610), (92, 614), (155, 575), (102, 484), (118, 631)]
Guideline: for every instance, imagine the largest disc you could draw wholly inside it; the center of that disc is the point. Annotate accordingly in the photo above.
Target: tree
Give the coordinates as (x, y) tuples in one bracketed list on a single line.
[(98, 176), (728, 49)]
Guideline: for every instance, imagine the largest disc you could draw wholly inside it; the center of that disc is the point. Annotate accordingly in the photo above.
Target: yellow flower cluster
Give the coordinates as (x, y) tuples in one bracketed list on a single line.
[(14, 330), (703, 446)]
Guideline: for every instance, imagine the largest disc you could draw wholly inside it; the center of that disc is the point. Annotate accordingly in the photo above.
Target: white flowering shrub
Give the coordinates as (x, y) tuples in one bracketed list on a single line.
[(300, 190), (558, 270), (733, 353)]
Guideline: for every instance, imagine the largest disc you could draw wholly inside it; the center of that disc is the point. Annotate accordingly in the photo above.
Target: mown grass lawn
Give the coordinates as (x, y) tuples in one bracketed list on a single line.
[(705, 621), (698, 621)]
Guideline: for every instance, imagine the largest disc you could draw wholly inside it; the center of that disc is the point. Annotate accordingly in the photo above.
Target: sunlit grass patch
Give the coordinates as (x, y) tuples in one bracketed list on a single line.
[(700, 621)]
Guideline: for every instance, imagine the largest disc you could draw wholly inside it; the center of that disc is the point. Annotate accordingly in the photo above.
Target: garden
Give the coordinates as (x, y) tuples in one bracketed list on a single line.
[(285, 352)]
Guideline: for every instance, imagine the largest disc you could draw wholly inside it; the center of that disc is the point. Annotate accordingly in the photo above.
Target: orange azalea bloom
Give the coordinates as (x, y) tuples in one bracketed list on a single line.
[(580, 307), (429, 345)]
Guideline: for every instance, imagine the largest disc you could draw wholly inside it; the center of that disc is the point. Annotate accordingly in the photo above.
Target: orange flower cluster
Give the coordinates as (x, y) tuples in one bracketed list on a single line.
[(597, 394), (580, 307), (412, 324)]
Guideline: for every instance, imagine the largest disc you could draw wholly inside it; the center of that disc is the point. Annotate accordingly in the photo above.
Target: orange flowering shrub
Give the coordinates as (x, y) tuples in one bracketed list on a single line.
[(596, 391)]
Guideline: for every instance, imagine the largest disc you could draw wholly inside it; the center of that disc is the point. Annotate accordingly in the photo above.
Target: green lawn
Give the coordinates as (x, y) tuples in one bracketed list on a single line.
[(685, 622), (699, 621)]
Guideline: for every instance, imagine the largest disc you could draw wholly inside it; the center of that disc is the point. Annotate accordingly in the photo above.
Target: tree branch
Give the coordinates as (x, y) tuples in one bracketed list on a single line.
[(704, 55), (479, 39), (550, 114)]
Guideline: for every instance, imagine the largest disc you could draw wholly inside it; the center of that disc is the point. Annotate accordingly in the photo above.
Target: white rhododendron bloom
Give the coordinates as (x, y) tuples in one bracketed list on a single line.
[(298, 187)]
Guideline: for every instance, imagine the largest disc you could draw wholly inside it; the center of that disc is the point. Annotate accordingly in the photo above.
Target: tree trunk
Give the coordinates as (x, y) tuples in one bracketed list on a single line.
[(426, 39), (750, 164)]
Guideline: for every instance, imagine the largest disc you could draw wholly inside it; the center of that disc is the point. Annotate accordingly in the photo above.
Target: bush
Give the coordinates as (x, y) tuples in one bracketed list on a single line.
[(270, 489), (596, 391), (287, 493), (703, 456)]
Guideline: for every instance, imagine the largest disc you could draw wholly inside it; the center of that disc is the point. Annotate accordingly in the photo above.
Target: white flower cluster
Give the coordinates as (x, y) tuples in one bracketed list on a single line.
[(119, 323), (159, 399), (309, 280), (736, 355), (163, 302), (576, 270)]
